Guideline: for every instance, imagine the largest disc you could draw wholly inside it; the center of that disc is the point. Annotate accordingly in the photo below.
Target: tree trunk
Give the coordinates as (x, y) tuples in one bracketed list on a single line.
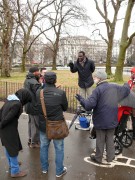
[(55, 50), (24, 55), (120, 64), (5, 68), (6, 33), (54, 60), (109, 56), (124, 42)]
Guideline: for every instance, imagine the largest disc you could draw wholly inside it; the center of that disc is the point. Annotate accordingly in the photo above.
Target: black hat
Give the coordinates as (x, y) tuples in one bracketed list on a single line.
[(50, 77), (33, 69)]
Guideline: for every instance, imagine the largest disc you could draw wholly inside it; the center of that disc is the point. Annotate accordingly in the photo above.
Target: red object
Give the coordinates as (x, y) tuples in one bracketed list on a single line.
[(133, 70), (123, 109)]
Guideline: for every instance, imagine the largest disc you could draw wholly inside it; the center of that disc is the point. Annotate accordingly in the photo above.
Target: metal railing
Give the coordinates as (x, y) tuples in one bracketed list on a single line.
[(7, 88)]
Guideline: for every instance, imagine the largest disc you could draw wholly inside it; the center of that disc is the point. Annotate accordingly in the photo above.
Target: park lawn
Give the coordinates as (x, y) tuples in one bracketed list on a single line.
[(64, 78)]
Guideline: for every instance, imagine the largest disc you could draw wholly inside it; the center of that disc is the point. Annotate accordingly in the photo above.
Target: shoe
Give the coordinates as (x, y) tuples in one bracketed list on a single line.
[(34, 145), (20, 174), (63, 172), (44, 172), (111, 160), (94, 159)]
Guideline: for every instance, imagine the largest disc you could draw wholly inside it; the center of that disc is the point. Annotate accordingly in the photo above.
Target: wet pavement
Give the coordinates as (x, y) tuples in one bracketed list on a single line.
[(78, 147)]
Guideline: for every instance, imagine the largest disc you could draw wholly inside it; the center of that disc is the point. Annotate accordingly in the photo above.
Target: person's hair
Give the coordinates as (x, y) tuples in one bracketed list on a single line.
[(41, 69), (82, 52), (33, 69)]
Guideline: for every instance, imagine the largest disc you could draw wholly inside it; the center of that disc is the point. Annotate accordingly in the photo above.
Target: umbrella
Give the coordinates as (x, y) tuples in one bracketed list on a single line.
[(128, 101)]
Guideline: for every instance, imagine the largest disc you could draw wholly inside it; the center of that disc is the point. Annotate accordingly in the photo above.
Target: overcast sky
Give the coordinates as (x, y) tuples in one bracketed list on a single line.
[(92, 12), (95, 19)]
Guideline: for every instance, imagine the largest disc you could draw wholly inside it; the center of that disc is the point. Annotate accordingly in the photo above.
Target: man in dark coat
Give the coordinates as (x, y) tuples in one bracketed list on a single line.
[(56, 103), (85, 68), (9, 115), (32, 84), (104, 102)]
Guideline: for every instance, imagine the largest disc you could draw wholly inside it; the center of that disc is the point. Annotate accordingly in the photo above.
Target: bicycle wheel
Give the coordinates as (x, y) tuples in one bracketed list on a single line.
[(118, 147), (126, 140)]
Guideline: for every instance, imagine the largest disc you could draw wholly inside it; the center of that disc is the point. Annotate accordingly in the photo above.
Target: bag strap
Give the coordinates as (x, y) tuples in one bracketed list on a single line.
[(43, 103)]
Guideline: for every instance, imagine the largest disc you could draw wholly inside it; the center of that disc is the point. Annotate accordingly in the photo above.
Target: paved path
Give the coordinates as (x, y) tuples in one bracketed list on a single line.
[(78, 147)]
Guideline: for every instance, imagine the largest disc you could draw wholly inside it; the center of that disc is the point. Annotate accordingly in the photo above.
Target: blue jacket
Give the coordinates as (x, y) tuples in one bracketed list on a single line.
[(104, 102)]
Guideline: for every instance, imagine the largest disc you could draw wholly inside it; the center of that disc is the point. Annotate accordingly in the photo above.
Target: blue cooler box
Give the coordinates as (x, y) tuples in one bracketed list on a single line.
[(83, 122)]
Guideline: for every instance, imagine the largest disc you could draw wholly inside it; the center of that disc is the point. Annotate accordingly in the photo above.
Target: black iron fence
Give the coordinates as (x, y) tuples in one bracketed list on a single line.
[(7, 88)]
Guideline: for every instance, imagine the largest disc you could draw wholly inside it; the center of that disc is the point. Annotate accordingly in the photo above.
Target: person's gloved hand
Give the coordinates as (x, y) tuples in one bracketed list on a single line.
[(71, 65), (78, 97)]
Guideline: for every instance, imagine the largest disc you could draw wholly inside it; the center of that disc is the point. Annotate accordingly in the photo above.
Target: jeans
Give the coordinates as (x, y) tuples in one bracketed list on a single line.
[(59, 153), (13, 163)]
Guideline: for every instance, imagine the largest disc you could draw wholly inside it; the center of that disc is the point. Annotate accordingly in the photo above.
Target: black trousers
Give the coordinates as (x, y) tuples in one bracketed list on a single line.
[(133, 124)]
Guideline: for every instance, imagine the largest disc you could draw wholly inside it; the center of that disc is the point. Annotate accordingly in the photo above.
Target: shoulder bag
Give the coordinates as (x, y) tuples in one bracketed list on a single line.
[(54, 129)]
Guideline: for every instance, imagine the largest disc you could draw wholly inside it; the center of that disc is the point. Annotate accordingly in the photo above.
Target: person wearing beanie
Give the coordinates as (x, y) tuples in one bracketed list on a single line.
[(85, 67), (100, 76), (32, 84), (104, 102), (56, 102), (9, 115)]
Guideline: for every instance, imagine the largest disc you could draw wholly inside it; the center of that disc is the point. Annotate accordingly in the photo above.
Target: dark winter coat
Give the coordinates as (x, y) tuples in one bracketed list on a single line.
[(9, 115), (104, 102), (85, 79), (32, 85), (56, 103)]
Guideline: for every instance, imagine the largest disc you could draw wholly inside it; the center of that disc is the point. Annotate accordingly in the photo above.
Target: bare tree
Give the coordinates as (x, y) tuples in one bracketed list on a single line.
[(6, 21), (65, 13), (125, 41), (48, 55), (28, 17), (110, 27)]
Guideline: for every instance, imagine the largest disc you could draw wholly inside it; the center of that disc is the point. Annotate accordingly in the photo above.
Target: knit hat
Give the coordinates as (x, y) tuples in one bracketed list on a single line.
[(101, 75), (33, 69), (50, 77)]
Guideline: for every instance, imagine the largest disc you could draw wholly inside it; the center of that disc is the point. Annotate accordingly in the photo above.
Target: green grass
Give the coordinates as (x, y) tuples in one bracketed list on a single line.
[(64, 78)]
